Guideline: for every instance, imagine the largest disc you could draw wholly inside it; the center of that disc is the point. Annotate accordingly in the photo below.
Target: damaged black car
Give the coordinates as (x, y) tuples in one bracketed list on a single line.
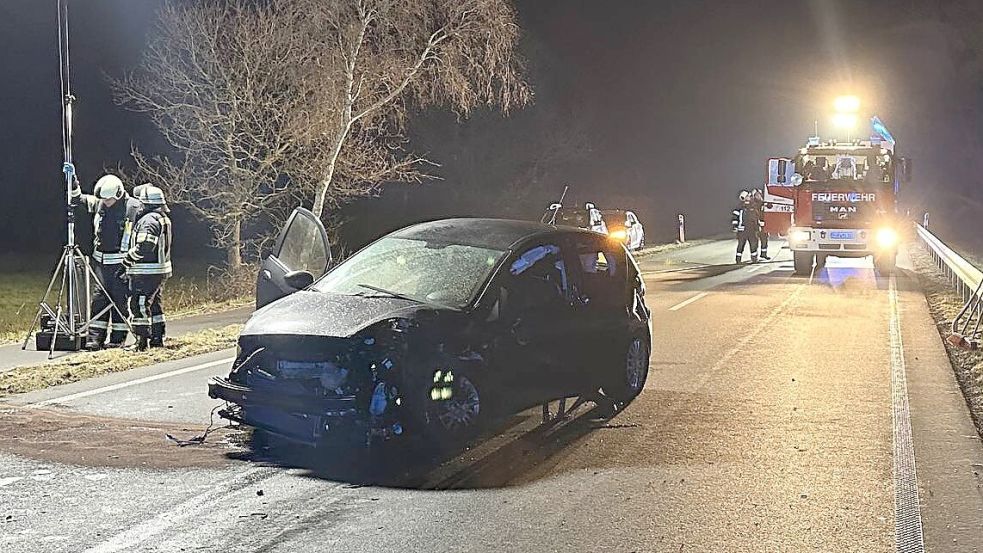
[(436, 329)]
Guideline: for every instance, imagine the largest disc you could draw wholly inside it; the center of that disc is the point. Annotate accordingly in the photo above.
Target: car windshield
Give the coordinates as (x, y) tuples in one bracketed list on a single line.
[(614, 218), (444, 274), (572, 218)]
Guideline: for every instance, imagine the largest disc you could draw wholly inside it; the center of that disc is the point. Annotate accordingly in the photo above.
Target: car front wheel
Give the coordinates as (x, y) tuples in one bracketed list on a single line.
[(454, 408)]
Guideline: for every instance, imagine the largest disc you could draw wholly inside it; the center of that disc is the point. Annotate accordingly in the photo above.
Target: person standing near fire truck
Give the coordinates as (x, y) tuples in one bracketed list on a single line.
[(758, 203), (745, 222)]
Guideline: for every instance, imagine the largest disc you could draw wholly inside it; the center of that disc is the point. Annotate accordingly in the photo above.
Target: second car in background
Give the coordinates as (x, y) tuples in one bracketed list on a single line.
[(623, 226)]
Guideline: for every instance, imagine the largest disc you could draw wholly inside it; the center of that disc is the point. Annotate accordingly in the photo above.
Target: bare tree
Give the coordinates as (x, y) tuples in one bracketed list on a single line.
[(222, 83), (274, 102), (383, 56)]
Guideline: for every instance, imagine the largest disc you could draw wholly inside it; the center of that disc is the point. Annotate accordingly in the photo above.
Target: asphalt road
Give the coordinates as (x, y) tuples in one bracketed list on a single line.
[(771, 422)]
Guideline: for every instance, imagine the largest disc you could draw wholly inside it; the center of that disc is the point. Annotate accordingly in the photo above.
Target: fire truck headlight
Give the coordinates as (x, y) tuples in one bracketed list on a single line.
[(887, 238), (801, 236), (618, 234)]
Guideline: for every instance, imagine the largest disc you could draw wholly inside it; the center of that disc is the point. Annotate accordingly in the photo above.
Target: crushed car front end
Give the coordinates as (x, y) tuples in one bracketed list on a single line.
[(309, 388)]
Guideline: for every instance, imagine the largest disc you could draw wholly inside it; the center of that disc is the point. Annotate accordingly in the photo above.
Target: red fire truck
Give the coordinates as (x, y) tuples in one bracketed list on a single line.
[(838, 199)]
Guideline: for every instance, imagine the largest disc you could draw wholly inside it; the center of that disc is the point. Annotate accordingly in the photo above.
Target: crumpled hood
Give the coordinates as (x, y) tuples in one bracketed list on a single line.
[(321, 314)]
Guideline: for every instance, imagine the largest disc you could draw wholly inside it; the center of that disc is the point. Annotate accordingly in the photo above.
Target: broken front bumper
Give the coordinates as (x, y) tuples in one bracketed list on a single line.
[(301, 418)]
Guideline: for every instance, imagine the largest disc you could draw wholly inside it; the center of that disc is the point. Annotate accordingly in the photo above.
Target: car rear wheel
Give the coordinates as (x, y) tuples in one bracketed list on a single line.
[(628, 380)]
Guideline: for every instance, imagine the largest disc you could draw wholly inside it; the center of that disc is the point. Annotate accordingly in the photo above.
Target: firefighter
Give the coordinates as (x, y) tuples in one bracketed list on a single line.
[(115, 213), (148, 265), (745, 224), (758, 202)]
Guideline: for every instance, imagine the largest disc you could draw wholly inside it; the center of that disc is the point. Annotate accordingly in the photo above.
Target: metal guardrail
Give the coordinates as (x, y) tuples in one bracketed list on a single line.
[(967, 327), (965, 277)]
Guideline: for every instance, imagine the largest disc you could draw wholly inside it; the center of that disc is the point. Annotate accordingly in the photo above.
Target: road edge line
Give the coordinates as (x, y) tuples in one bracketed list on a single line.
[(689, 301), (128, 383), (908, 529)]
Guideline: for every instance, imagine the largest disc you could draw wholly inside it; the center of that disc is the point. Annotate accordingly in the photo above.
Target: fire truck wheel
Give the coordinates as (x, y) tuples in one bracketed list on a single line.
[(803, 261), (884, 264)]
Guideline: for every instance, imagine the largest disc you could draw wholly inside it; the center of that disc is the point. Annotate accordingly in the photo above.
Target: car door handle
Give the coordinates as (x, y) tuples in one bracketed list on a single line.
[(267, 275)]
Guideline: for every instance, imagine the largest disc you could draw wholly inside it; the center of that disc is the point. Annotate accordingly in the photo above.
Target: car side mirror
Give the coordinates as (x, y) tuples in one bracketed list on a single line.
[(298, 280)]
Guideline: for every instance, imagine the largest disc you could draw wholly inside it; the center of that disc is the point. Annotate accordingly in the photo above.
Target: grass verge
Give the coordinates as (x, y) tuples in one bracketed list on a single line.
[(944, 304), (91, 364), (196, 288)]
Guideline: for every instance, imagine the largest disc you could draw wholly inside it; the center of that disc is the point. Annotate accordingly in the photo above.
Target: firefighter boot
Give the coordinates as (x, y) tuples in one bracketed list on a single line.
[(157, 334), (141, 344), (737, 260), (95, 340)]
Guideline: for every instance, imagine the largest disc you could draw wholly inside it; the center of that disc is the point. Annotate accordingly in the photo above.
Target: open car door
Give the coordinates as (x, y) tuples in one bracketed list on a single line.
[(300, 256)]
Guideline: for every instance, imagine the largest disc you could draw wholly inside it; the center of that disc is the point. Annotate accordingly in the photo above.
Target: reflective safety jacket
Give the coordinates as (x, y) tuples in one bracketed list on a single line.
[(745, 217), (112, 226), (150, 253)]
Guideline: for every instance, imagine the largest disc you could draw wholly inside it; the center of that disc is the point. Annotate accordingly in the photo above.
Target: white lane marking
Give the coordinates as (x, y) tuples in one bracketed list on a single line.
[(182, 512), (127, 384), (908, 536), (754, 268), (766, 324), (679, 270), (9, 480), (695, 298)]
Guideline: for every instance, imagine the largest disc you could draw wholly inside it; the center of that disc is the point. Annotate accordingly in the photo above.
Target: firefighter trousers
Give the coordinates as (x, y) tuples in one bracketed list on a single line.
[(747, 238), (108, 308), (763, 239), (146, 312)]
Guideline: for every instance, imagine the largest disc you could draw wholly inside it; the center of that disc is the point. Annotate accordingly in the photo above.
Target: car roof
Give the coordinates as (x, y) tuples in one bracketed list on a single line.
[(499, 234)]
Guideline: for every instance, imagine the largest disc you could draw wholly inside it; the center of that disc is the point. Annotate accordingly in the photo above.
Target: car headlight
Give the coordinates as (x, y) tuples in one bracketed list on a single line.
[(619, 234), (801, 236), (887, 237)]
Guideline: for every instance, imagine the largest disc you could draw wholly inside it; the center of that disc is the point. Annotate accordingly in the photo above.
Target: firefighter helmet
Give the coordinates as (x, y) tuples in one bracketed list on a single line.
[(744, 195), (109, 186), (150, 195)]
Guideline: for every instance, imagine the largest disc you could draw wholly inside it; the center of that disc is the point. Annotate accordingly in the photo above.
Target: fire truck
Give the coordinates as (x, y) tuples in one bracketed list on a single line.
[(838, 199)]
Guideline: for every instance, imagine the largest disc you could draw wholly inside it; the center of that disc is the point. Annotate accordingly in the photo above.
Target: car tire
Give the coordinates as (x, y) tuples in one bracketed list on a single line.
[(458, 418), (629, 377)]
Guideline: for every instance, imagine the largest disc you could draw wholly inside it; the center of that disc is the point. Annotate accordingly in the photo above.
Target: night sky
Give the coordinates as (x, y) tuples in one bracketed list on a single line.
[(680, 103)]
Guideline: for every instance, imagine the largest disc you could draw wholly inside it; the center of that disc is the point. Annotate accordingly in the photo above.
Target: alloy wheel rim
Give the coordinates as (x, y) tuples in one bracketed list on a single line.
[(463, 408)]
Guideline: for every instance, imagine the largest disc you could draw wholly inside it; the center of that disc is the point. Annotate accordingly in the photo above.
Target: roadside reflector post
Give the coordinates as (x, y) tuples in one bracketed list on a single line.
[(682, 228)]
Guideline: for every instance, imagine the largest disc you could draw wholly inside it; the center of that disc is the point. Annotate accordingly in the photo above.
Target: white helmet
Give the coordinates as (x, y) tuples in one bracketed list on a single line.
[(109, 186), (744, 195), (150, 195)]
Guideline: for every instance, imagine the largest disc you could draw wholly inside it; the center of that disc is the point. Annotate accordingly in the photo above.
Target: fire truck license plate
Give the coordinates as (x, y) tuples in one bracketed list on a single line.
[(842, 235)]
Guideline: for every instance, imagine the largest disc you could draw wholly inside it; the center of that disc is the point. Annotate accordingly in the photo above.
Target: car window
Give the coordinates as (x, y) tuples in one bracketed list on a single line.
[(572, 218), (538, 280), (614, 219), (602, 269), (303, 247)]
